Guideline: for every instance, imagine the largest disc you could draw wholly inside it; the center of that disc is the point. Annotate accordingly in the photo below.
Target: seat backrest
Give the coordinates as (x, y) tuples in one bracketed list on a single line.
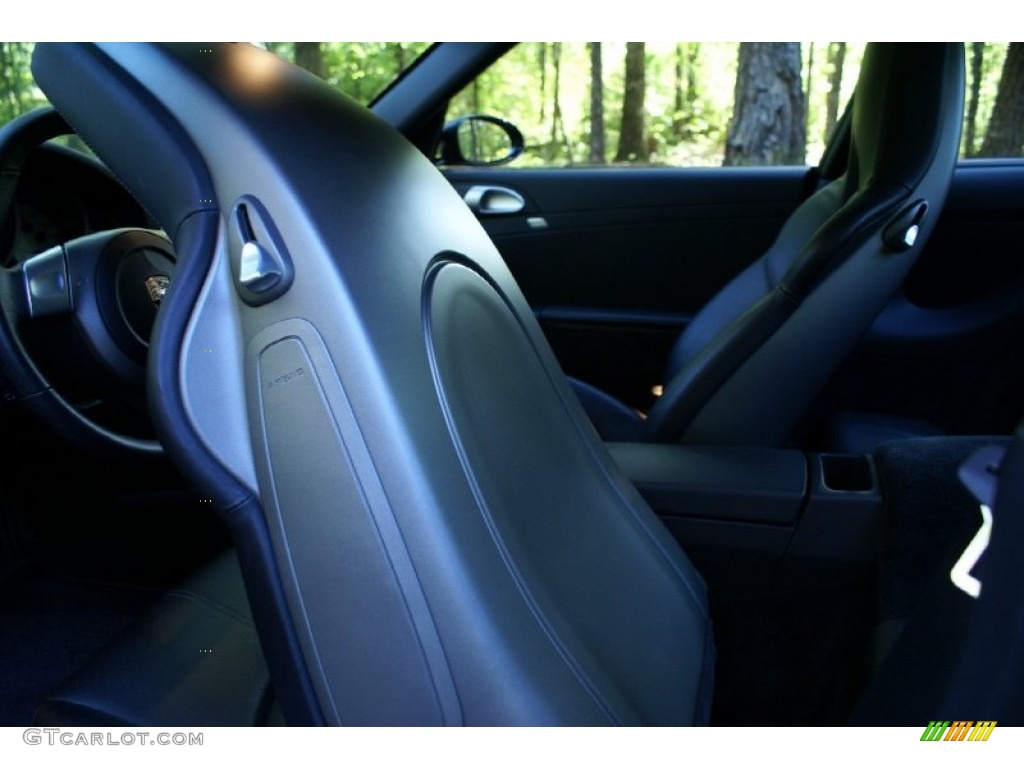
[(747, 367), (435, 535)]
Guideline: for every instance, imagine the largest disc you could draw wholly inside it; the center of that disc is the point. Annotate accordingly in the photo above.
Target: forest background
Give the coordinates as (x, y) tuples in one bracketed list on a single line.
[(673, 104)]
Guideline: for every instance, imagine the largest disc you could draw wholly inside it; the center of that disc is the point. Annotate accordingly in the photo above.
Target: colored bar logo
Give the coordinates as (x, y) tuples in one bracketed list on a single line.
[(958, 730)]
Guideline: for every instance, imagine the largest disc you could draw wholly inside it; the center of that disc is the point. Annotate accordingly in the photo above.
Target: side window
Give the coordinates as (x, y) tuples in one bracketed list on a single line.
[(667, 104), (712, 104), (994, 112)]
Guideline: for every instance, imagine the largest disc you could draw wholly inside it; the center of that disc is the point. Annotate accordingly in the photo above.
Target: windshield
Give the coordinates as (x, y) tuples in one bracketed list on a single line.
[(360, 70), (18, 92)]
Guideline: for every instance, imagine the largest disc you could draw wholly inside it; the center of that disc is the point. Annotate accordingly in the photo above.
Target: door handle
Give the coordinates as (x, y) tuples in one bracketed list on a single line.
[(486, 200)]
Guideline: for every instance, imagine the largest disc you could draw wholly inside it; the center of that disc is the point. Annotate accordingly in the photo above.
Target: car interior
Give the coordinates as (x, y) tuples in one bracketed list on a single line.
[(793, 314), (305, 434)]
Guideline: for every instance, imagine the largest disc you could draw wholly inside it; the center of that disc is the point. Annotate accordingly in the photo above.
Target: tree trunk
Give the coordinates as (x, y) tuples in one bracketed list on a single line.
[(558, 138), (692, 54), (310, 57), (686, 90), (977, 70), (679, 106), (597, 147), (767, 125), (7, 87), (1005, 134), (836, 59), (542, 64), (556, 104), (631, 133), (400, 62), (808, 88), (13, 60)]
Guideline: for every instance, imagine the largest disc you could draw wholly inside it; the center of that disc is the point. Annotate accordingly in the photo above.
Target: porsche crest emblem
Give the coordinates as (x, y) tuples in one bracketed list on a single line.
[(157, 287)]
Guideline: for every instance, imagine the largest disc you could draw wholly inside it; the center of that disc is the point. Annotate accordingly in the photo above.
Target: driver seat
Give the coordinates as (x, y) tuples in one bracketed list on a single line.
[(404, 566), (746, 368)]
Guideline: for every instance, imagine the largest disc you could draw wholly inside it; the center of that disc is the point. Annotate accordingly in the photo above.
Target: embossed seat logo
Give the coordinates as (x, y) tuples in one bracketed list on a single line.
[(285, 378)]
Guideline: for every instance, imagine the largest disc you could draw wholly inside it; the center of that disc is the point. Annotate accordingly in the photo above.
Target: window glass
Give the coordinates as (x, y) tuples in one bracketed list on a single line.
[(18, 92), (994, 109), (711, 104), (361, 70), (672, 104)]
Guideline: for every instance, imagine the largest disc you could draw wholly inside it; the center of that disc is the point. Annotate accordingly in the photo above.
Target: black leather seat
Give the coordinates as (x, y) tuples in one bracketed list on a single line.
[(745, 370), (403, 565), (434, 535), (854, 432), (193, 659)]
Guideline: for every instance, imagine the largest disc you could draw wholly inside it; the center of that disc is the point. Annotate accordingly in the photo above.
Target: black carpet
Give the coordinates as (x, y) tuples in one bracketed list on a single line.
[(925, 620)]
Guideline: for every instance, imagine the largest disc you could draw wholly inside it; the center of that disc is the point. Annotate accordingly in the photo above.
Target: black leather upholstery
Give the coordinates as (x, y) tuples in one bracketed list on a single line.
[(746, 368), (193, 660), (613, 420), (433, 519), (862, 433)]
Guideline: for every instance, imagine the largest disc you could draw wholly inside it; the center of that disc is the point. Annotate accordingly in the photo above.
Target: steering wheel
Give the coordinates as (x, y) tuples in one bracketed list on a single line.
[(89, 304)]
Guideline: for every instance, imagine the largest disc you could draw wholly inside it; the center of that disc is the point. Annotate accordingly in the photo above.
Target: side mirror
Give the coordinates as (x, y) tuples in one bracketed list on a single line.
[(480, 140)]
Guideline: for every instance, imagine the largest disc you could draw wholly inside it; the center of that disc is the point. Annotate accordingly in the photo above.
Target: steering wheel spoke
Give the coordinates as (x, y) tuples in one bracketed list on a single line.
[(44, 278)]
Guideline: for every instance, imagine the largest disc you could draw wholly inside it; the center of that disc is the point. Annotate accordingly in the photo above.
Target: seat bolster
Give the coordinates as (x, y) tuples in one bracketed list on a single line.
[(193, 659), (862, 433), (613, 420)]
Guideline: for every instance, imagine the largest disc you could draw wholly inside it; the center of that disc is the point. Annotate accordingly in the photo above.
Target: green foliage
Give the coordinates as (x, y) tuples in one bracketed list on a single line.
[(689, 98), (820, 73), (988, 86), (18, 92), (544, 89), (361, 70), (521, 88)]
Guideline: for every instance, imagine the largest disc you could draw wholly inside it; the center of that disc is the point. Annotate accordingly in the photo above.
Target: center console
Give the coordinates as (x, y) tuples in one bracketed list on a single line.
[(760, 520)]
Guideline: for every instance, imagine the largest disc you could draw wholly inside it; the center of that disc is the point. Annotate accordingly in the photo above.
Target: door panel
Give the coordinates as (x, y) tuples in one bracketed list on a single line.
[(616, 260)]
